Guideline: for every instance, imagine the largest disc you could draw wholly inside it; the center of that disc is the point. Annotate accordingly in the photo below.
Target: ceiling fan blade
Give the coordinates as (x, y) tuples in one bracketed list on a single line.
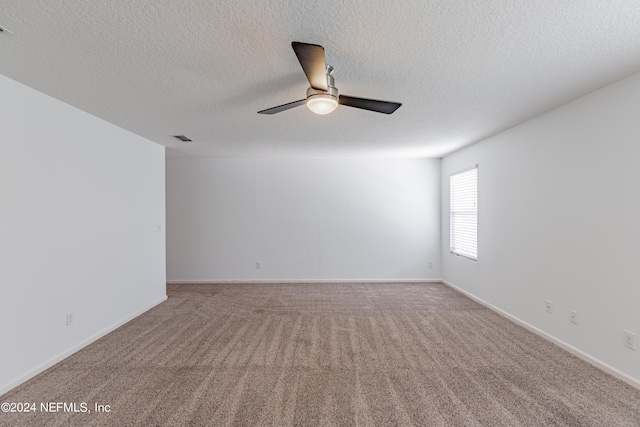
[(311, 57), (369, 104), (283, 107)]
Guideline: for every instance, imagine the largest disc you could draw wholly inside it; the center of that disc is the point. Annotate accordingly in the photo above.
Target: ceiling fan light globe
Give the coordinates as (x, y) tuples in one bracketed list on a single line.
[(322, 103)]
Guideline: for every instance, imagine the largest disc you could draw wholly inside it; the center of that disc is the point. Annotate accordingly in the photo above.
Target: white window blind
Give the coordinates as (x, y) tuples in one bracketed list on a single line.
[(464, 213)]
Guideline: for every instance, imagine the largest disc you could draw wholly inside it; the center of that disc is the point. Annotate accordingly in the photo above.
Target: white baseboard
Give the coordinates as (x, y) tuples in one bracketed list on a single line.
[(634, 382), (217, 281), (49, 363)]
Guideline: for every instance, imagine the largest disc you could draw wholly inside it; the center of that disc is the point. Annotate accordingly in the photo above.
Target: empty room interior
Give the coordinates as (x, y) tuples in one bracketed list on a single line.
[(320, 213)]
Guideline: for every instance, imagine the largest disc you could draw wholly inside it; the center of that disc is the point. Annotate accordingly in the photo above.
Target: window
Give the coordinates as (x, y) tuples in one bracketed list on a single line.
[(464, 213)]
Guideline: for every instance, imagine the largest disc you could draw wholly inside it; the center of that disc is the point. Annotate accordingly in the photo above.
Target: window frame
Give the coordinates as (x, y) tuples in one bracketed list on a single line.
[(452, 211)]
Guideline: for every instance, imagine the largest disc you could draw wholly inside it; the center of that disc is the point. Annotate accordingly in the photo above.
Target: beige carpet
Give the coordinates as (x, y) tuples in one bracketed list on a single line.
[(325, 354)]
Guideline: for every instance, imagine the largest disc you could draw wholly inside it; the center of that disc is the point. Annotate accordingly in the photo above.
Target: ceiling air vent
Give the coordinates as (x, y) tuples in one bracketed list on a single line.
[(182, 138)]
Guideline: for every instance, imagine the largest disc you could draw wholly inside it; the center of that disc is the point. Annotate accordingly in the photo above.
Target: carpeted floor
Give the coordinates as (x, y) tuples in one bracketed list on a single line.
[(325, 354)]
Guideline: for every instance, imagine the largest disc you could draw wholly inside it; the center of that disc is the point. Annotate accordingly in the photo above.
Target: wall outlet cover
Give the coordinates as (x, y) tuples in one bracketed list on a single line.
[(573, 316)]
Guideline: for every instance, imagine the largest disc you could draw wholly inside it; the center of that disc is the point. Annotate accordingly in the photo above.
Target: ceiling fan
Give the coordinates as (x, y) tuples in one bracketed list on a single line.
[(322, 96)]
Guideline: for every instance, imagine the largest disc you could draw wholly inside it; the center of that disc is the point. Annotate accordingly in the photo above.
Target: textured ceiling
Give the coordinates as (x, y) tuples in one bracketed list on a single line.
[(463, 70)]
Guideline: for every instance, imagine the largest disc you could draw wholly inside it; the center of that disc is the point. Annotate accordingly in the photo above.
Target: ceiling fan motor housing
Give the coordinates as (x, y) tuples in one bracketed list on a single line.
[(332, 90), (320, 101)]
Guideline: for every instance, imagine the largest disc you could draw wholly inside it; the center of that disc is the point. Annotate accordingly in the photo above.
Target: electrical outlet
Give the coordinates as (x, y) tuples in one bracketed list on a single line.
[(573, 316), (630, 340), (549, 306), (258, 265), (69, 319), (430, 264)]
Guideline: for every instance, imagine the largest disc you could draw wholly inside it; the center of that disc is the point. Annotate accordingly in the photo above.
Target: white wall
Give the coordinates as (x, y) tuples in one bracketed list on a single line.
[(79, 203), (559, 207), (313, 219)]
